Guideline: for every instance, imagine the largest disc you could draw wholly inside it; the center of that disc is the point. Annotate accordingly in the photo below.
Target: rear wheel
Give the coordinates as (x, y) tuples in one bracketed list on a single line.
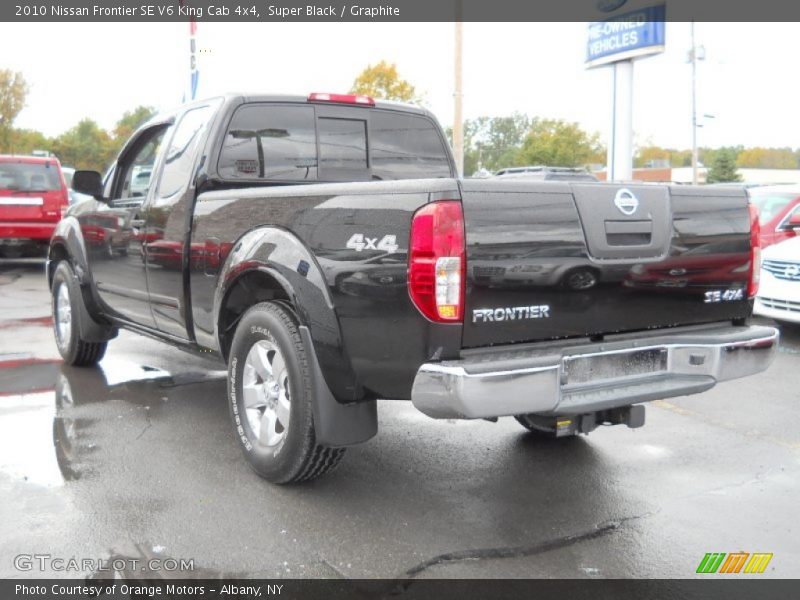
[(543, 427), (580, 279), (67, 303), (270, 398)]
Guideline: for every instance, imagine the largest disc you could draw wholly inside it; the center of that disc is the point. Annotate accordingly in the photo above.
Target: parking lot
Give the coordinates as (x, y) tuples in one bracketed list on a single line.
[(138, 459)]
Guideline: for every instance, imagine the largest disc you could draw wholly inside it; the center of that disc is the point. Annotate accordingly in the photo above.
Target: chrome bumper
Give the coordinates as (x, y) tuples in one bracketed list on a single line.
[(579, 376)]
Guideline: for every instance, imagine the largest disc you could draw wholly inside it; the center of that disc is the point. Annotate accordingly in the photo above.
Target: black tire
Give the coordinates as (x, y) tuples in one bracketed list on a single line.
[(539, 426), (580, 279), (73, 348), (296, 456)]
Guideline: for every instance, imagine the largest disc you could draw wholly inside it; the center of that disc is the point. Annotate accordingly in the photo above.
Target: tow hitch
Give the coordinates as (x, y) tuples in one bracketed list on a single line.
[(632, 416)]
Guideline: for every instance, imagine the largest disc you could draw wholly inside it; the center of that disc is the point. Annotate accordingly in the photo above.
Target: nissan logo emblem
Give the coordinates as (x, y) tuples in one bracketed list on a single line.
[(626, 202)]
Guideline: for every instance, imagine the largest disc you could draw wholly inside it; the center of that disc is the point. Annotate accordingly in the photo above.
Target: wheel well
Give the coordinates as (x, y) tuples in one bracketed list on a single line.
[(248, 290), (591, 268), (55, 255)]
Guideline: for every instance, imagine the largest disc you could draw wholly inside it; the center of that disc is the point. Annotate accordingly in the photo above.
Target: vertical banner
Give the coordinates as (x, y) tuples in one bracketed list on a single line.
[(194, 72)]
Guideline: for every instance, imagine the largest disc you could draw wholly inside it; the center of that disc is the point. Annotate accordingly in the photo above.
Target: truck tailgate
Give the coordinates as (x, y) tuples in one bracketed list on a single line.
[(549, 260)]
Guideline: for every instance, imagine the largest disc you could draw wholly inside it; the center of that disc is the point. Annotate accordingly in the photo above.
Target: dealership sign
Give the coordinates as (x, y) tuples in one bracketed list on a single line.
[(630, 35)]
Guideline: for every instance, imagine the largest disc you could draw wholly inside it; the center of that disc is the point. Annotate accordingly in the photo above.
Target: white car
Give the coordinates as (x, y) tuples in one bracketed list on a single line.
[(779, 291)]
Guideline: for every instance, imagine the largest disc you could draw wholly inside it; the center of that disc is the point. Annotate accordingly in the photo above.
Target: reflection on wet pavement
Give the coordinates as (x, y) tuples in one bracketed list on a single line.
[(44, 429), (33, 321), (26, 439), (23, 374)]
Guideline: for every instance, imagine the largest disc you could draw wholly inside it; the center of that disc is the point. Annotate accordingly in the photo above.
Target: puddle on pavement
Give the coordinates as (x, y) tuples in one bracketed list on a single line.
[(45, 433)]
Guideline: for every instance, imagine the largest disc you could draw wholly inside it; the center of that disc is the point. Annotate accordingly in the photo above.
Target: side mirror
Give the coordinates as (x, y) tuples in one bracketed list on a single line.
[(88, 182)]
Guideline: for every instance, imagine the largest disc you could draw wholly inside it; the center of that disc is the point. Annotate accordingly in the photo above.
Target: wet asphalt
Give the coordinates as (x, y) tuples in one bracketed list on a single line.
[(137, 458)]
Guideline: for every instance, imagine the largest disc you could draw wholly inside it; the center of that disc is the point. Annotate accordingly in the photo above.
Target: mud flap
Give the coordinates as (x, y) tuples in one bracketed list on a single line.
[(337, 424), (90, 330)]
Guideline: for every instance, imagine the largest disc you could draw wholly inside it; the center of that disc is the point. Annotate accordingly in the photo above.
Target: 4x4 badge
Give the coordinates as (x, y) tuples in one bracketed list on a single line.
[(626, 202)]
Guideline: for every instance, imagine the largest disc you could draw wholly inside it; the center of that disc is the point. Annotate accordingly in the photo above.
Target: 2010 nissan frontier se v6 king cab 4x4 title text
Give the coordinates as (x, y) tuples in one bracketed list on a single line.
[(325, 248)]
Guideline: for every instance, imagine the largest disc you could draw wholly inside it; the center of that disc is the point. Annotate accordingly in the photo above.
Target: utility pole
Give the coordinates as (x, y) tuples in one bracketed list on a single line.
[(693, 60), (458, 115)]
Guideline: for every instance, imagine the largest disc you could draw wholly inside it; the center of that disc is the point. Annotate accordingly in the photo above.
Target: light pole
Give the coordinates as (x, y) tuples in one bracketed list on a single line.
[(695, 54), (458, 116)]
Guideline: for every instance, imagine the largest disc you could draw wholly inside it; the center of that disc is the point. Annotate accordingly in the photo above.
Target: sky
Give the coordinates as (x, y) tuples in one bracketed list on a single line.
[(748, 81)]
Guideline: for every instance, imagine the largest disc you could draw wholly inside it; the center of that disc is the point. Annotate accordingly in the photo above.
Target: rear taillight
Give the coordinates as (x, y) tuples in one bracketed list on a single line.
[(755, 253), (64, 209), (341, 98), (437, 262)]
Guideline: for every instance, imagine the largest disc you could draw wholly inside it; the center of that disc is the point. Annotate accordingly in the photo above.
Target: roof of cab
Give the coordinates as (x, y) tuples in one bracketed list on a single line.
[(298, 99)]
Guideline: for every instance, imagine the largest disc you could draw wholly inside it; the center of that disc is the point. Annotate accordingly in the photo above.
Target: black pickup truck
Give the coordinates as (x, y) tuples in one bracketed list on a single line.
[(326, 249)]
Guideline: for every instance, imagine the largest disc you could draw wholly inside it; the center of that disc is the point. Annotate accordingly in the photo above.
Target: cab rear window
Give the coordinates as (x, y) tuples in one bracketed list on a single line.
[(270, 142), (29, 177), (343, 144), (406, 146), (293, 143)]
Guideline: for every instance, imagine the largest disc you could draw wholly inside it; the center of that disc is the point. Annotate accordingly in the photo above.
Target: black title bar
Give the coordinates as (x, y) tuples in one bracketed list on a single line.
[(389, 10), (406, 589)]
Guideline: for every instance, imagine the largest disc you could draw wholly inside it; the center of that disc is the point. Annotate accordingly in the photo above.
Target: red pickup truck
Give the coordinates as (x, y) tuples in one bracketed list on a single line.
[(33, 197)]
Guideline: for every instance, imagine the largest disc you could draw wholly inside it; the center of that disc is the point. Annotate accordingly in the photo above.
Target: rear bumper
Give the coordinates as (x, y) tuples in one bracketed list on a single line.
[(541, 378), (15, 232)]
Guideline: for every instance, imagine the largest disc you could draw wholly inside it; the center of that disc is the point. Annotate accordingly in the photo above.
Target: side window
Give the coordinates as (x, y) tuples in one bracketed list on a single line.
[(406, 146), (266, 141), (135, 170), (342, 144), (181, 152)]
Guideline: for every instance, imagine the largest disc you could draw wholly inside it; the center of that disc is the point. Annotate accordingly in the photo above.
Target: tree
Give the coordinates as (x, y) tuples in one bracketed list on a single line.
[(767, 158), (723, 167), (25, 141), (680, 158), (383, 81), (558, 143), (492, 142), (85, 146), (498, 140), (130, 121), (646, 155), (13, 91)]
